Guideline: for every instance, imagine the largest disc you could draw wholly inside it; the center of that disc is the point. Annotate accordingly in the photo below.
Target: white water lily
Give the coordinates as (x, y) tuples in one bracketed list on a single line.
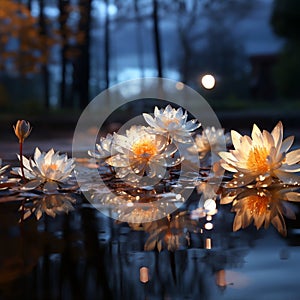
[(173, 123), (211, 140), (103, 148), (261, 158), (5, 181), (47, 168), (3, 169), (141, 153)]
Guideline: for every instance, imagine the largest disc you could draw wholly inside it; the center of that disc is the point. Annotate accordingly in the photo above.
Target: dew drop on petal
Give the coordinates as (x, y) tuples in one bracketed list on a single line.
[(178, 197), (210, 204)]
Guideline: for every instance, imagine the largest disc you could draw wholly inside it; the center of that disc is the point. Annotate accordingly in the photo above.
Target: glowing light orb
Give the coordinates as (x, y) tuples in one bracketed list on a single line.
[(208, 81), (208, 226), (210, 205)]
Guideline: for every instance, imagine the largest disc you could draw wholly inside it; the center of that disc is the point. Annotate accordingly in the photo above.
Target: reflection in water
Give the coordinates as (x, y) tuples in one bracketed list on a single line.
[(262, 206), (85, 255), (170, 233), (49, 204), (144, 274)]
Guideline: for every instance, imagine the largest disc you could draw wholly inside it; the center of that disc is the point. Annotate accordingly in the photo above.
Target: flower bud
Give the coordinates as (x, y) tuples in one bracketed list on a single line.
[(22, 130)]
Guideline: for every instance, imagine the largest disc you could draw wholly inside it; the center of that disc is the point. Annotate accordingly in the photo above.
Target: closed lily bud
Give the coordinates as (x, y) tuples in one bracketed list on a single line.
[(22, 130)]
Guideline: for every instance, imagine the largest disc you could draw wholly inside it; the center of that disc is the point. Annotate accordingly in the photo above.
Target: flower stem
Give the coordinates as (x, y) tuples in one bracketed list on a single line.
[(21, 161)]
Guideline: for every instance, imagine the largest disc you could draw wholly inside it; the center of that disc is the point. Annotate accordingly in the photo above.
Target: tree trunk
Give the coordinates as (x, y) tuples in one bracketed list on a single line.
[(45, 70), (106, 46), (81, 65), (29, 4), (157, 39), (63, 20), (139, 39)]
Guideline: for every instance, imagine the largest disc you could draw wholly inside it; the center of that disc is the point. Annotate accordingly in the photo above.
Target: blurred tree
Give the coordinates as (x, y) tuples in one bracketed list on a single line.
[(81, 66), (64, 13), (208, 43), (23, 48), (141, 11), (74, 32), (25, 42), (285, 20), (107, 45), (156, 33), (44, 67), (139, 37)]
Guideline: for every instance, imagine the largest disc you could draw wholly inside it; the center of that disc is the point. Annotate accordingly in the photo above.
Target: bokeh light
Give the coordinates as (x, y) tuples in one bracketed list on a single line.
[(208, 81)]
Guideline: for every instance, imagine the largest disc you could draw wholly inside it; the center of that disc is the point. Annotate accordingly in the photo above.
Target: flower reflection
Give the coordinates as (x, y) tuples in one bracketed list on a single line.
[(261, 158), (136, 215), (262, 206), (171, 233), (48, 204), (173, 123), (135, 206), (47, 169)]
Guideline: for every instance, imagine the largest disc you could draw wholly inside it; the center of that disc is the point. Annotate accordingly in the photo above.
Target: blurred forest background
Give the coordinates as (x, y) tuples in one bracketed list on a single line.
[(56, 55)]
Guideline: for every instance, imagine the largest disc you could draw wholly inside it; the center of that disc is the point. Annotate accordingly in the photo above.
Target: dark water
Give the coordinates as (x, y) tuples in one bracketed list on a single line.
[(86, 255)]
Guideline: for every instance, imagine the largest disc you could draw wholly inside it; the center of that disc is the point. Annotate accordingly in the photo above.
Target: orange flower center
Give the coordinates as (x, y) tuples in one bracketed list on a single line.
[(52, 167), (258, 205), (257, 160), (144, 149), (168, 121)]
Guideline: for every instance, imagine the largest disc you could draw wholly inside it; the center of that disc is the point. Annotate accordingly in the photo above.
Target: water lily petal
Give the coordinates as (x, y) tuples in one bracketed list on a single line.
[(286, 144), (287, 177), (148, 118), (293, 196), (236, 139), (31, 185), (118, 161), (293, 157)]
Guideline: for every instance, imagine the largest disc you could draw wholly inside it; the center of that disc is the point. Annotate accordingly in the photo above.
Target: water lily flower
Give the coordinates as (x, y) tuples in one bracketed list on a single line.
[(47, 169), (139, 152), (261, 158), (262, 207), (104, 148), (211, 140), (173, 123), (3, 169), (22, 130), (6, 182)]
